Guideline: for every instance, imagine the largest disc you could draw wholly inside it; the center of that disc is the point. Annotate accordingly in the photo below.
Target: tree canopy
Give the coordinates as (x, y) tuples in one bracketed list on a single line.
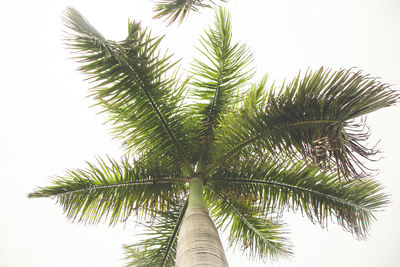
[(259, 149)]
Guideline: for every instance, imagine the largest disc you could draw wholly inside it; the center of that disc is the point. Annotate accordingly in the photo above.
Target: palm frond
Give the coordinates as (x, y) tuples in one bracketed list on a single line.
[(276, 186), (160, 248), (173, 10), (131, 85), (220, 74), (313, 116), (257, 235), (114, 191)]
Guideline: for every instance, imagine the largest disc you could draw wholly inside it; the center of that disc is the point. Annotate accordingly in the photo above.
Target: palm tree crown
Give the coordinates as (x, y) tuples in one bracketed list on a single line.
[(258, 151)]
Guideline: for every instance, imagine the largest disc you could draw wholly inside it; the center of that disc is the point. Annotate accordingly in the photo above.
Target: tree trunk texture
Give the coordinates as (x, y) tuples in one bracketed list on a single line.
[(199, 243)]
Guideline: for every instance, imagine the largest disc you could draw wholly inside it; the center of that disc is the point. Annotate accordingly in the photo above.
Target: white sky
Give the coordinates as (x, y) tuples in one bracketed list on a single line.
[(46, 125)]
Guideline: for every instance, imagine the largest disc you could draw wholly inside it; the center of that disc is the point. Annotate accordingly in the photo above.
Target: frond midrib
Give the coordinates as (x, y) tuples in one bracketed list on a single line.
[(221, 67), (117, 185), (294, 187), (160, 116)]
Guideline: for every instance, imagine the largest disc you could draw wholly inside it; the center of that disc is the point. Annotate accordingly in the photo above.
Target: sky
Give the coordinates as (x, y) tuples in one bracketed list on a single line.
[(48, 127)]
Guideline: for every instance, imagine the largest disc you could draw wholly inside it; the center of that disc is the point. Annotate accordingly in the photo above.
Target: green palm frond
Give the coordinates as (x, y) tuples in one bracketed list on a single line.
[(174, 10), (221, 72), (275, 186), (159, 248), (257, 235), (115, 191), (254, 97), (313, 116), (132, 87)]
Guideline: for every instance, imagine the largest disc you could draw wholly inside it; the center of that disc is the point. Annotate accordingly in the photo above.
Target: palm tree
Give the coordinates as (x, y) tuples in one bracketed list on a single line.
[(214, 151)]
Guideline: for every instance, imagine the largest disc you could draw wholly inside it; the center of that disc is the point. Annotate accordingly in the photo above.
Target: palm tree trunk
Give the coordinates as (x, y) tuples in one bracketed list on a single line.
[(198, 242)]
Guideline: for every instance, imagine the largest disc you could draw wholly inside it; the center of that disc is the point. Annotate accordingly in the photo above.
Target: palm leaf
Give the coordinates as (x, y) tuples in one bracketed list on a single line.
[(115, 191), (275, 186), (174, 10), (257, 235), (220, 73), (131, 86), (160, 248), (313, 117), (217, 78)]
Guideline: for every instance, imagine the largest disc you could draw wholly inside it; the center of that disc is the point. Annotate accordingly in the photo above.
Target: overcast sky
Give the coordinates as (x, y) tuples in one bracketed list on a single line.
[(47, 125)]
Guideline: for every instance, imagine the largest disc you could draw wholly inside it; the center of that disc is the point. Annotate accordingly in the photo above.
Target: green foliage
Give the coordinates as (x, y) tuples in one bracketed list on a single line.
[(275, 186), (115, 191), (132, 87), (256, 234), (313, 117), (219, 76), (159, 248), (173, 10), (260, 151)]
